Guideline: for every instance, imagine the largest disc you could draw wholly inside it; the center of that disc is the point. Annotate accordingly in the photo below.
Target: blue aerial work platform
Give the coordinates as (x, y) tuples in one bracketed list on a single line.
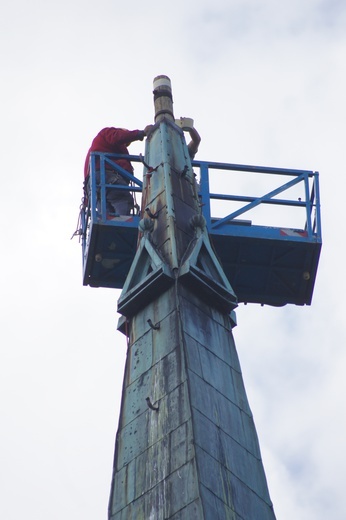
[(270, 254)]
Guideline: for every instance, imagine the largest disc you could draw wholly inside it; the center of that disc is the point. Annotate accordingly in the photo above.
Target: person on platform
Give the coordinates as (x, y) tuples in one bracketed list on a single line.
[(115, 140)]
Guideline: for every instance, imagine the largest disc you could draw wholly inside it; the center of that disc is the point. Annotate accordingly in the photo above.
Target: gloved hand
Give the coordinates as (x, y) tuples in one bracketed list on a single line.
[(148, 129)]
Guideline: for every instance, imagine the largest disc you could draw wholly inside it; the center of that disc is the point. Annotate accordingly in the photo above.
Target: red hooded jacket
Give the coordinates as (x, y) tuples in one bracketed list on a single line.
[(114, 140)]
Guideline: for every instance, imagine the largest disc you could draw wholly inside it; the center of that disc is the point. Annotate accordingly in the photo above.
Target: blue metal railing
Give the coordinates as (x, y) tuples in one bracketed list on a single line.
[(98, 164), (94, 207), (310, 202), (309, 179)]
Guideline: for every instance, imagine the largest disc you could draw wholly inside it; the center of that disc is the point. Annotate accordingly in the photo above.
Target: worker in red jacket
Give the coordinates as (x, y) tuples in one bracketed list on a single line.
[(115, 140)]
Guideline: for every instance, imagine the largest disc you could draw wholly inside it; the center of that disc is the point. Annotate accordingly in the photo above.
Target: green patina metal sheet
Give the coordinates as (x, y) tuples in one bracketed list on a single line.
[(186, 446)]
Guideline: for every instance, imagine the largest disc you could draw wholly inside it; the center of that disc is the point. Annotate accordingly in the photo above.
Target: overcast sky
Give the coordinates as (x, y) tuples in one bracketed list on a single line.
[(265, 83)]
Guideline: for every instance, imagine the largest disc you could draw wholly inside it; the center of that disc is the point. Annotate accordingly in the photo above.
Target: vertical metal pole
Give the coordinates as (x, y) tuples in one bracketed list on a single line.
[(163, 99)]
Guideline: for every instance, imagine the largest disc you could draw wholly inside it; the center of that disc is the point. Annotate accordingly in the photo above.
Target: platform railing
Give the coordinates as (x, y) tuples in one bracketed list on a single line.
[(204, 171), (310, 202), (97, 194)]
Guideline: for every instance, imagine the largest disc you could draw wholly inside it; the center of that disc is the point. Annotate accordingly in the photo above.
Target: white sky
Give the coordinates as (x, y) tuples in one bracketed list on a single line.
[(265, 83)]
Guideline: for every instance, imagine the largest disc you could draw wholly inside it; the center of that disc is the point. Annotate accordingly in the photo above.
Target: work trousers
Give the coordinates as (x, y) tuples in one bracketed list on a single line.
[(118, 202)]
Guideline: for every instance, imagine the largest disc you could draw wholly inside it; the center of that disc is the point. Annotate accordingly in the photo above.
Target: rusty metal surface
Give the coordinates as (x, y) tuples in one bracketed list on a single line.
[(173, 206)]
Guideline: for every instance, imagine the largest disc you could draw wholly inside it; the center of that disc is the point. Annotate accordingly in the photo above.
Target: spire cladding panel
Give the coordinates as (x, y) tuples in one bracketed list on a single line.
[(186, 447)]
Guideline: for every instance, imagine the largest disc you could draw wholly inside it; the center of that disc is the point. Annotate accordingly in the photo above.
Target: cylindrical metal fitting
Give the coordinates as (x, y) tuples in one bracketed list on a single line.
[(163, 100)]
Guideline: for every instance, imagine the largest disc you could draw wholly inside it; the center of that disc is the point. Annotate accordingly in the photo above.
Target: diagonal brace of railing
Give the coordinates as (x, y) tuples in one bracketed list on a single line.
[(260, 200)]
